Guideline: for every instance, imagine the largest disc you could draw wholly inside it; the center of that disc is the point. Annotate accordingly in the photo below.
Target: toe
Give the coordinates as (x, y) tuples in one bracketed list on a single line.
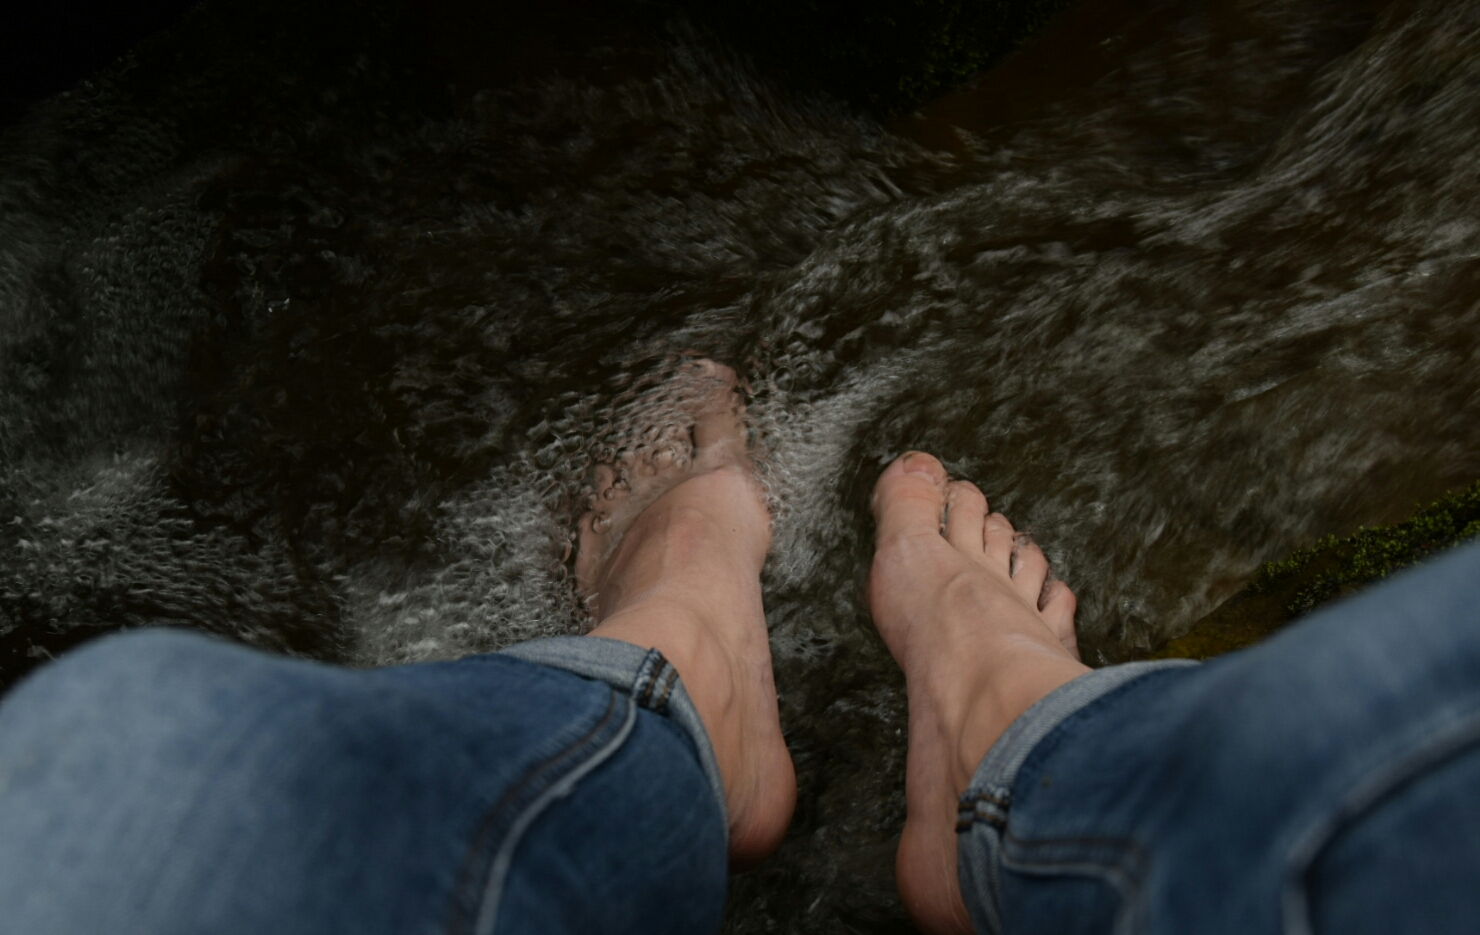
[(966, 510), (910, 496), (719, 413), (707, 369), (1057, 606), (590, 549), (1029, 569), (915, 463), (607, 487), (719, 427), (1000, 539), (722, 421)]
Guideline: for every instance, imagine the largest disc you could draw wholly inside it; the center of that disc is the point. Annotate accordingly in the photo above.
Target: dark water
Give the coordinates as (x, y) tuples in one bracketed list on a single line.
[(316, 322)]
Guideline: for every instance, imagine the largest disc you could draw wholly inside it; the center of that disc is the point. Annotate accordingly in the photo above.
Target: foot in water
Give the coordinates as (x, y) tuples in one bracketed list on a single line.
[(981, 631), (670, 557)]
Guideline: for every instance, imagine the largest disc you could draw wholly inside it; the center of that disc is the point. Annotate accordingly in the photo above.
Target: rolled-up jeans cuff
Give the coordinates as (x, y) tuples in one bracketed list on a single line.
[(651, 681), (981, 817)]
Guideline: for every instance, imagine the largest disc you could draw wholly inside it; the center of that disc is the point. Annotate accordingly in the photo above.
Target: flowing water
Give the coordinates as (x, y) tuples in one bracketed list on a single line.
[(315, 325)]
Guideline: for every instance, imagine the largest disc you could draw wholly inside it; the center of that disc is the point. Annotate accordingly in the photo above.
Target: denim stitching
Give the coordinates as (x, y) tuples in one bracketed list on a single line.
[(645, 681), (1134, 851), (988, 807), (1125, 875), (670, 679), (1369, 794), (601, 749), (628, 668), (654, 683), (503, 821), (1027, 739)]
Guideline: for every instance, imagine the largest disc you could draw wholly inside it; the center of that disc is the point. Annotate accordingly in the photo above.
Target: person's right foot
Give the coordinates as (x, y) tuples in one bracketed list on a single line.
[(670, 558), (981, 632)]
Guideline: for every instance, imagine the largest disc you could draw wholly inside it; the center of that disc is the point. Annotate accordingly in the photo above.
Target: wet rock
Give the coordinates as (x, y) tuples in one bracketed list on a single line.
[(1285, 590)]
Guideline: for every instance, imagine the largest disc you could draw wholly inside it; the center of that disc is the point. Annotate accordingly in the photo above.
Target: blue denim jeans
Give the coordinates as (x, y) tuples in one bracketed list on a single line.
[(161, 782), (1325, 781), (164, 782)]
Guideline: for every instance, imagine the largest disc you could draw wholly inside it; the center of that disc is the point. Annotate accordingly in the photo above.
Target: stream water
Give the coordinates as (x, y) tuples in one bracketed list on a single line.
[(315, 325)]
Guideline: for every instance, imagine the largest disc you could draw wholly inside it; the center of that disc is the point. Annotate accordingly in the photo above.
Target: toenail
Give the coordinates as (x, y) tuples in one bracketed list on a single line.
[(914, 458)]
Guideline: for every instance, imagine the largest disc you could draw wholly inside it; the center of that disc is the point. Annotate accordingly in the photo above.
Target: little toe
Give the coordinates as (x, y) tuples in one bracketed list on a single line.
[(909, 498), (1029, 569), (1057, 605), (966, 510), (1001, 542)]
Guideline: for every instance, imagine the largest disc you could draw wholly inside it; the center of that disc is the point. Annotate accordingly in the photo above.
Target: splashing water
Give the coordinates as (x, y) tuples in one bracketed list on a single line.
[(323, 357)]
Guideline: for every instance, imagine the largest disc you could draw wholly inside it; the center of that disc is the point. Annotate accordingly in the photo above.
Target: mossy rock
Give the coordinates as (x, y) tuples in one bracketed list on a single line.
[(885, 55), (1285, 590)]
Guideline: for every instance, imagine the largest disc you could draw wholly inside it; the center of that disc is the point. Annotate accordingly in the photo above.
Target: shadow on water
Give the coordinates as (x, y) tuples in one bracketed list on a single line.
[(316, 321)]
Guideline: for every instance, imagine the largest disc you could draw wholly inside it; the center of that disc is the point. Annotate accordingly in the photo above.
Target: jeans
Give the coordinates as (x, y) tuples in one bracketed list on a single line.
[(164, 782), (1327, 780)]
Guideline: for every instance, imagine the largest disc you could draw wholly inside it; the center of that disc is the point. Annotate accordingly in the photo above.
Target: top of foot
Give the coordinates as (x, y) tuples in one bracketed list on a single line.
[(968, 609), (670, 557), (707, 404)]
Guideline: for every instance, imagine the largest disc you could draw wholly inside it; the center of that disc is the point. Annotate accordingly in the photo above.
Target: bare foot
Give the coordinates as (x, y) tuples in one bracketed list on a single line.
[(981, 632), (670, 558)]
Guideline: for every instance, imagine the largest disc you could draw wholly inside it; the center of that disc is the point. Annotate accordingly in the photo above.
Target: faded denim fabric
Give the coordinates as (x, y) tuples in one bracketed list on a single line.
[(164, 782), (1326, 781)]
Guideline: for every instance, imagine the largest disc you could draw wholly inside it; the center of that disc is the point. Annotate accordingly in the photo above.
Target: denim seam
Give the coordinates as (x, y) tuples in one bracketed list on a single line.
[(654, 672), (552, 778), (1125, 875), (1366, 795), (1125, 882), (668, 683), (988, 798), (645, 676), (982, 806)]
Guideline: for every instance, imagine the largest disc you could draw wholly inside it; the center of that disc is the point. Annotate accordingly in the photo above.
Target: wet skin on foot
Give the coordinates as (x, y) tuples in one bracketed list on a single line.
[(968, 609), (670, 555)]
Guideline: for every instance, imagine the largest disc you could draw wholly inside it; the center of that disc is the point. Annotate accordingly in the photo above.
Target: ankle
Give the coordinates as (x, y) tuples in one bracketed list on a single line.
[(690, 641), (972, 697)]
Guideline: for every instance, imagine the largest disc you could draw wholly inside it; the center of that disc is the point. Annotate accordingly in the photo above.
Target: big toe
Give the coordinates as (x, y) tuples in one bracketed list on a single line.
[(719, 415), (909, 498)]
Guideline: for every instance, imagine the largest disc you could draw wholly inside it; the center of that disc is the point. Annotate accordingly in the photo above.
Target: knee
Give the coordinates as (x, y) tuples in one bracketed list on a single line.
[(130, 657), (119, 678)]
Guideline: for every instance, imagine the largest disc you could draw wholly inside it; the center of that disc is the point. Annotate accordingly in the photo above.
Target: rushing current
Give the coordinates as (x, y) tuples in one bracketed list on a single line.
[(313, 329)]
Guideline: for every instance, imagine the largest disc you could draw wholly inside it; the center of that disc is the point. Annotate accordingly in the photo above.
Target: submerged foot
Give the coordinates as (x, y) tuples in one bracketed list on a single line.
[(981, 631), (670, 557)]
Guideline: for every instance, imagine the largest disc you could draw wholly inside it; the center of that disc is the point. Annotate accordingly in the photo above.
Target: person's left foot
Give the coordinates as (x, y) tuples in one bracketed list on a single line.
[(982, 632), (670, 556)]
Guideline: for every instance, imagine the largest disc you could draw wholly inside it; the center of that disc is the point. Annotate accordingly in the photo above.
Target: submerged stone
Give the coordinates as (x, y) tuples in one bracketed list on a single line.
[(1287, 589)]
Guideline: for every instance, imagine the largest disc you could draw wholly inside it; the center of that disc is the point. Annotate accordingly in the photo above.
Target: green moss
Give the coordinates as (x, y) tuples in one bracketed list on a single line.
[(1284, 590), (886, 55)]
